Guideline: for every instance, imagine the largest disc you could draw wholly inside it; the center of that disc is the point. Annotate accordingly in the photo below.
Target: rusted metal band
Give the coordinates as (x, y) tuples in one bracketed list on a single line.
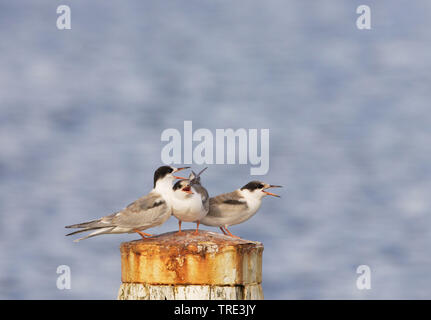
[(206, 259)]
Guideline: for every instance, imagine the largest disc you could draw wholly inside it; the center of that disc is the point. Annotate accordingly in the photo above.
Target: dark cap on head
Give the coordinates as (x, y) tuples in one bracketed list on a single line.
[(253, 185), (179, 184), (161, 173)]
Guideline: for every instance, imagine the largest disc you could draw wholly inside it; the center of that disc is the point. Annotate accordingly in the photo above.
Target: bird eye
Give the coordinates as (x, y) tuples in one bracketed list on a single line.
[(260, 186)]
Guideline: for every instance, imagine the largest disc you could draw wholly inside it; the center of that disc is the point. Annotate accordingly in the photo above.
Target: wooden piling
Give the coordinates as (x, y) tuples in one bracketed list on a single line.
[(209, 266)]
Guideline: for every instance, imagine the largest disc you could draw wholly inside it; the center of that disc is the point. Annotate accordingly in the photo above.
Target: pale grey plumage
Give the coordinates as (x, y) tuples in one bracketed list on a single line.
[(142, 213), (225, 209), (195, 182), (190, 201), (148, 211), (236, 207), (203, 193)]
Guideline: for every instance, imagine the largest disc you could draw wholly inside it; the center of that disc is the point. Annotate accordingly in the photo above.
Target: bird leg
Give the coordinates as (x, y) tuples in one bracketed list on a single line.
[(232, 235), (144, 235), (197, 229), (179, 227), (222, 230)]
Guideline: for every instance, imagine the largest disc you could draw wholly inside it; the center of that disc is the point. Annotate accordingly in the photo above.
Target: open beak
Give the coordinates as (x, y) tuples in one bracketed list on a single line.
[(270, 193), (187, 189), (179, 169)]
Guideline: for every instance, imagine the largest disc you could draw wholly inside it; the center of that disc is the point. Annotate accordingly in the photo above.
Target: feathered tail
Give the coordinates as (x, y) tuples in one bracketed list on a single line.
[(98, 231), (89, 224), (101, 226)]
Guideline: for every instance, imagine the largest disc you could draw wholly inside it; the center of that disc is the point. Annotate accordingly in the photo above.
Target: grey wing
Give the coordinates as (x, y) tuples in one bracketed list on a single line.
[(204, 195), (146, 211), (226, 204)]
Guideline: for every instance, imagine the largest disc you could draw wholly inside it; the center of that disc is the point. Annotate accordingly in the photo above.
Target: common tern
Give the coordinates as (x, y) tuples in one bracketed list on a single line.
[(236, 207), (148, 211), (190, 201)]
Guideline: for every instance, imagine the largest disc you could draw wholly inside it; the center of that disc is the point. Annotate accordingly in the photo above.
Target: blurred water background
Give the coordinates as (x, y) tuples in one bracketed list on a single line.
[(82, 111)]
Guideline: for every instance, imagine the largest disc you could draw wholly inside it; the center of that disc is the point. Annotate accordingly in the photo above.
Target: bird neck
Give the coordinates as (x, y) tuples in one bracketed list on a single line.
[(164, 186), (249, 196)]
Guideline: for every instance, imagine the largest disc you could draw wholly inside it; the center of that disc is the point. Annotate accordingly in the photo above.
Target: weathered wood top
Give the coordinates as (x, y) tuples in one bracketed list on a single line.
[(187, 238), (208, 258)]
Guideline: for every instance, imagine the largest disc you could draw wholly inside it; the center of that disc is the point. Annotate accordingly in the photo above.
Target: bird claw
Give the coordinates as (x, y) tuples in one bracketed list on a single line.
[(144, 235), (228, 233)]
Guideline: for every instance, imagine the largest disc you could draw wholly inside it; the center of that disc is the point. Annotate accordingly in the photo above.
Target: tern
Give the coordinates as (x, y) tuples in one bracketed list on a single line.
[(236, 207), (190, 201), (148, 211)]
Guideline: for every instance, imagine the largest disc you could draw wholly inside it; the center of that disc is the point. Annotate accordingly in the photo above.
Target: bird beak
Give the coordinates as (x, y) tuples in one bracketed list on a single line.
[(201, 172), (196, 176), (187, 189), (273, 186), (179, 169), (270, 193)]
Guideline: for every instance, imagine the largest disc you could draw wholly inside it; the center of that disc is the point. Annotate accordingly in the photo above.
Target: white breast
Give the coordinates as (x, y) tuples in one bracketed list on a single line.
[(164, 188), (253, 205), (188, 209)]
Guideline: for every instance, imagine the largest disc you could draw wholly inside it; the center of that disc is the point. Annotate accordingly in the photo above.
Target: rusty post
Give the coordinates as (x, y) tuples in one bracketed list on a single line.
[(184, 267)]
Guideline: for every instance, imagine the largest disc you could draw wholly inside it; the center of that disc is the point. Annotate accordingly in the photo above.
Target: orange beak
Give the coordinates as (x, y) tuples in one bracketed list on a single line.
[(179, 169), (270, 193)]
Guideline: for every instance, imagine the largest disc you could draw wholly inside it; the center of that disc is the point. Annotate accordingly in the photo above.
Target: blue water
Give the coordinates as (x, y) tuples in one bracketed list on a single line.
[(82, 111)]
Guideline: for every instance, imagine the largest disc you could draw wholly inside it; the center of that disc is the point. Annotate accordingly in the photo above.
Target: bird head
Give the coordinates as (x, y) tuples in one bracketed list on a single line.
[(257, 189)]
